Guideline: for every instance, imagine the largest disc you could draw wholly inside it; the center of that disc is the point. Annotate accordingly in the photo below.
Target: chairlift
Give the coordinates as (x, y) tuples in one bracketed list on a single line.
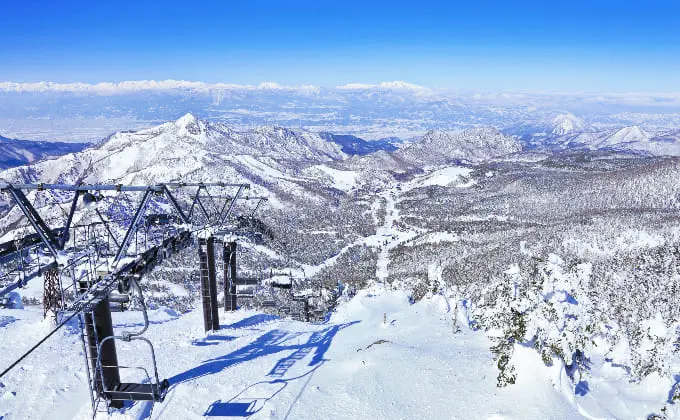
[(157, 219), (269, 303), (119, 302), (246, 281), (245, 293), (152, 388), (282, 285)]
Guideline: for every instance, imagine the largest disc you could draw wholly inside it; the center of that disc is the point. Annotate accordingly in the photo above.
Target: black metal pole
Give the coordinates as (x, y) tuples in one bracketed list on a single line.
[(232, 274), (206, 255), (99, 325), (74, 204), (225, 217), (205, 286), (36, 221), (212, 276), (175, 204), (229, 277)]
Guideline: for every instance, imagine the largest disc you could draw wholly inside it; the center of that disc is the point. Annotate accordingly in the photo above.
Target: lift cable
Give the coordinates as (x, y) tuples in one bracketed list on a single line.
[(39, 343)]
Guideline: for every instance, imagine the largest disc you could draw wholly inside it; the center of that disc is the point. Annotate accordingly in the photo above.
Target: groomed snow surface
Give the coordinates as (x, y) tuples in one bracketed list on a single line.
[(377, 357), (355, 366)]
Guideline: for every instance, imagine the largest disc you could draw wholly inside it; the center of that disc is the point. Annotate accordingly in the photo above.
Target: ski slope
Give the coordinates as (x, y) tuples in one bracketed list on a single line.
[(354, 366)]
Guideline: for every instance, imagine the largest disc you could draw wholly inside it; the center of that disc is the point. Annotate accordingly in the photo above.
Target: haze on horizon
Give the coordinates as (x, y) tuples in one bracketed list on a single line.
[(530, 46)]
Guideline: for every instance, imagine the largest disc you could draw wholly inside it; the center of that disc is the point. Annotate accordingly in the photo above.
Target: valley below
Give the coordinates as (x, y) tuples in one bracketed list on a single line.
[(459, 275)]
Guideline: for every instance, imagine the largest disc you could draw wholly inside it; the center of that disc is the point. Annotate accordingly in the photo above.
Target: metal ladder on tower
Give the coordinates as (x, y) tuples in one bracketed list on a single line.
[(208, 276)]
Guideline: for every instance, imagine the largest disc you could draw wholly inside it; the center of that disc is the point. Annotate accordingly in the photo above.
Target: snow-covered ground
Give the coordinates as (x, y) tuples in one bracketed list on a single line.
[(377, 357), (343, 180)]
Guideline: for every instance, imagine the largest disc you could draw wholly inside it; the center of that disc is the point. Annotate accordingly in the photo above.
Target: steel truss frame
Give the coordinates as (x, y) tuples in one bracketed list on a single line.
[(55, 241), (94, 275)]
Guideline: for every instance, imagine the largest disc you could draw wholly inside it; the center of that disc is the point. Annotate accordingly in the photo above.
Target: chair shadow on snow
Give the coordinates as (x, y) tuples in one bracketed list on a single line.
[(253, 398)]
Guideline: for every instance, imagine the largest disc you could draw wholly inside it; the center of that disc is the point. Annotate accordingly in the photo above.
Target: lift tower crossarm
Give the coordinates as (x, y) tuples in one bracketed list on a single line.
[(132, 228), (233, 201), (46, 234), (84, 188)]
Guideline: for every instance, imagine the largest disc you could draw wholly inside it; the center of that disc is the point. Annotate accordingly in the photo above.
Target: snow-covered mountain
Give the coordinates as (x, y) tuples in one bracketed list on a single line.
[(567, 123), (15, 152), (434, 149), (176, 150), (271, 158), (570, 254), (632, 134), (289, 166), (632, 138), (473, 145), (189, 149)]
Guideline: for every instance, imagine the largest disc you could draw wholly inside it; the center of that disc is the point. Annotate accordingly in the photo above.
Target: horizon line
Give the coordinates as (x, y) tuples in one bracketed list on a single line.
[(131, 86)]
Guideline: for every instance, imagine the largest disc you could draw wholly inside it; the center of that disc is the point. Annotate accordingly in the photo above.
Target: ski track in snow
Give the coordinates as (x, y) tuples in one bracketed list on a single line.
[(261, 367), (386, 238)]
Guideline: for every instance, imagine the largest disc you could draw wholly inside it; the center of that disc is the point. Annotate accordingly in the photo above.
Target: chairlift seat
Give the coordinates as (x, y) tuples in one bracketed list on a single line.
[(127, 391), (119, 298), (246, 281), (269, 303), (117, 306)]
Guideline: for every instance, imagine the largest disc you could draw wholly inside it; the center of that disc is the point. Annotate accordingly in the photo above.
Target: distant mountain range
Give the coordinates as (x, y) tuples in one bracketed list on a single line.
[(284, 164), (89, 112), (285, 160), (569, 132), (15, 152)]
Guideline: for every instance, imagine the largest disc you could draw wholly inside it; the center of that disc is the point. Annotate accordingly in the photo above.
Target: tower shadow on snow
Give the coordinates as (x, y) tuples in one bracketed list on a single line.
[(251, 321), (269, 343)]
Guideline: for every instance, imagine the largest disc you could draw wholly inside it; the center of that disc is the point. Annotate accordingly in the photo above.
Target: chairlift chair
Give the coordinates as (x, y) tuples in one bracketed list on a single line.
[(246, 281), (152, 388), (118, 302), (282, 285), (269, 303), (248, 293)]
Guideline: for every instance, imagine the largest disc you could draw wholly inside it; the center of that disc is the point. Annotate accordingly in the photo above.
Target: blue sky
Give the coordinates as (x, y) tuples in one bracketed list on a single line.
[(595, 46)]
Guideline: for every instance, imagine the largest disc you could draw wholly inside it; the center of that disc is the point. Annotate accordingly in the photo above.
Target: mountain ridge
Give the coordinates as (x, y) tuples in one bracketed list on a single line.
[(15, 152)]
